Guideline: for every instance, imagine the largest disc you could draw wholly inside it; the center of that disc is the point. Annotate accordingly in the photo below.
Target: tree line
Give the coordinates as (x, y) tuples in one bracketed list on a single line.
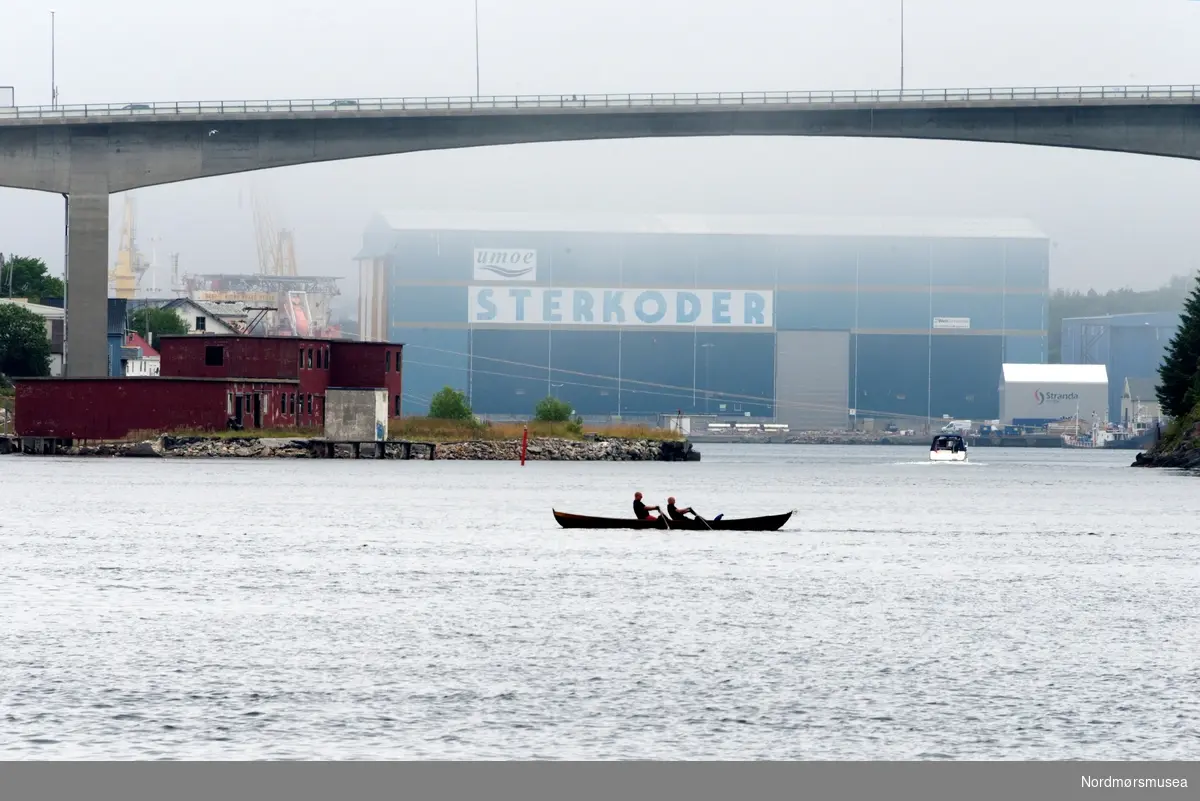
[(1066, 303)]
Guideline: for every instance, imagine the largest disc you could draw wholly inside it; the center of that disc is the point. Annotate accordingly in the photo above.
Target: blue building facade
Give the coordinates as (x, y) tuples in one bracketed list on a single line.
[(1129, 345), (802, 320)]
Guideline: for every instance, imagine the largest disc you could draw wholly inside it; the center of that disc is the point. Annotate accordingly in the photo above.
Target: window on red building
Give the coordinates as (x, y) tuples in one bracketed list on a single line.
[(283, 403), (292, 403), (302, 358), (310, 403), (387, 361), (397, 361), (397, 405), (310, 363)]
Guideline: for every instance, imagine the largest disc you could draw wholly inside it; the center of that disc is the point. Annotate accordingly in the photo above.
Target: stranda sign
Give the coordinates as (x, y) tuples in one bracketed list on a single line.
[(733, 308), (1043, 397), (505, 264)]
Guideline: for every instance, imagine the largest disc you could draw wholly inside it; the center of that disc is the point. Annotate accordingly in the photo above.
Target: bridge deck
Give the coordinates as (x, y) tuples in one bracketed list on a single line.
[(849, 99)]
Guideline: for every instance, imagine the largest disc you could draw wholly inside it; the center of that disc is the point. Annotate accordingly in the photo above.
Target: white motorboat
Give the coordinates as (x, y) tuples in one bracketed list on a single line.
[(948, 448)]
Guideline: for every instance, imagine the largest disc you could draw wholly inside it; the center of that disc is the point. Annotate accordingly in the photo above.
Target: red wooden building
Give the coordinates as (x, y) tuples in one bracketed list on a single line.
[(211, 383)]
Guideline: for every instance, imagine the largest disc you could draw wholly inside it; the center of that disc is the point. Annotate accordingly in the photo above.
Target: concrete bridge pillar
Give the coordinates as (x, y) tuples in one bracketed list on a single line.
[(86, 330)]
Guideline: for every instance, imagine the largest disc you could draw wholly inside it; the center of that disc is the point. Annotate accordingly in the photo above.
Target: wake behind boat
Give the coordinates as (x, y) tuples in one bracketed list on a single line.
[(948, 448), (764, 523)]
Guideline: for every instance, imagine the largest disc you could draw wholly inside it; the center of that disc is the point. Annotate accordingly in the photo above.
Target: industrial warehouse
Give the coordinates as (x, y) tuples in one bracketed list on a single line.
[(807, 321)]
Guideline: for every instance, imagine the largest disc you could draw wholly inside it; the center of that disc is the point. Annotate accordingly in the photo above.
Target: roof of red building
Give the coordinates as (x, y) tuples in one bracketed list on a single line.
[(156, 379), (249, 338), (135, 340)]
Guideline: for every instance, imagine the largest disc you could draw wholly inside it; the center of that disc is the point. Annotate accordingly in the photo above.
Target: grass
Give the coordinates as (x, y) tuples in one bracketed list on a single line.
[(424, 429), (257, 433)]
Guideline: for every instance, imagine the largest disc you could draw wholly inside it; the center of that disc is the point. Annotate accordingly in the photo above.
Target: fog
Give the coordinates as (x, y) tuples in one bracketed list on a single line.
[(1115, 219)]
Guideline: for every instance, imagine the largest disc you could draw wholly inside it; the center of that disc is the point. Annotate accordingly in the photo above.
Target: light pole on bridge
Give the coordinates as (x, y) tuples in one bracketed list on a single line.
[(901, 45), (53, 83), (476, 48)]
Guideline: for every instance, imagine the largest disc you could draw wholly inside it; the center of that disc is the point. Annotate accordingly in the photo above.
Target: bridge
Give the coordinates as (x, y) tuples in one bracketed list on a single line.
[(86, 152)]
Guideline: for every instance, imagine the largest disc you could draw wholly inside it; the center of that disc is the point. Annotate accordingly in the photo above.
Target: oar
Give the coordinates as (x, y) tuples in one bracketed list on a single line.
[(702, 520), (663, 517)]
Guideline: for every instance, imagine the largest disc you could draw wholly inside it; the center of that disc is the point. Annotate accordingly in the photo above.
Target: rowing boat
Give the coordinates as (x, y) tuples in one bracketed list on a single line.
[(764, 523)]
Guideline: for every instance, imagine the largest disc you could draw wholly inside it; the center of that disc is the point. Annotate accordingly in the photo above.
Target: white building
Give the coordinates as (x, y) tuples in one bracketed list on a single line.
[(143, 360), (205, 318), (1036, 394)]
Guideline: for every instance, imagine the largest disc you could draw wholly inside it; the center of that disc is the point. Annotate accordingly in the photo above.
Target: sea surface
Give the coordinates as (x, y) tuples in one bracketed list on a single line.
[(1031, 604)]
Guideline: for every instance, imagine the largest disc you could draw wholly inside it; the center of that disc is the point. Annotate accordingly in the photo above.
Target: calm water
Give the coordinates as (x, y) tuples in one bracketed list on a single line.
[(1032, 604)]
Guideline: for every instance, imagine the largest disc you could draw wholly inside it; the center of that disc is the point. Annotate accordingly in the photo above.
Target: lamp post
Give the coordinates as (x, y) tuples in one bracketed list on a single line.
[(477, 48), (53, 83), (707, 386), (901, 46)]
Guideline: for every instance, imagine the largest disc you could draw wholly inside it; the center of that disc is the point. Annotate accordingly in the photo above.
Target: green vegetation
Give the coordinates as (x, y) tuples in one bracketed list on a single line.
[(26, 277), (450, 404), (151, 323), (1167, 298), (140, 435), (24, 346), (552, 410), (1179, 374), (429, 429)]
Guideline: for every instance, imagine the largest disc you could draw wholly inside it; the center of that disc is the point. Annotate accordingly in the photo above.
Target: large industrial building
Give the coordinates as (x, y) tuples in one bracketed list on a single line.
[(815, 322), (1131, 346)]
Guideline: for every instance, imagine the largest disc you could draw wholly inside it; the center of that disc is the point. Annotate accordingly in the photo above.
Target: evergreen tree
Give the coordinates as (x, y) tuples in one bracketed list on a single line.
[(1181, 365)]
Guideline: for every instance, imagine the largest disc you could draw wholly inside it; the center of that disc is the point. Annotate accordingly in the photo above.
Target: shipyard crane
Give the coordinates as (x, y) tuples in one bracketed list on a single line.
[(130, 266), (276, 248)]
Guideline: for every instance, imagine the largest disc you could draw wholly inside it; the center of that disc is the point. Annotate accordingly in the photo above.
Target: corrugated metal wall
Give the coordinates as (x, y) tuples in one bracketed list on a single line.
[(1035, 404), (812, 378)]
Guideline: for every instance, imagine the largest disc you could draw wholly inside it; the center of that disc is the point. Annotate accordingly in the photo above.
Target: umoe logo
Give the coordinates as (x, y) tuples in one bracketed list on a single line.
[(505, 264), (1053, 397), (733, 308)]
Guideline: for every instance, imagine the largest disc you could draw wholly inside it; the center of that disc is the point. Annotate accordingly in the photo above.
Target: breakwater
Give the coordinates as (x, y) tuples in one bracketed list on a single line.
[(595, 449)]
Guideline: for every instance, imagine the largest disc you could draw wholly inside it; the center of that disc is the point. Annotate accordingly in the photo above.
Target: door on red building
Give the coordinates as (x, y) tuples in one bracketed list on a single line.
[(237, 409), (257, 410)]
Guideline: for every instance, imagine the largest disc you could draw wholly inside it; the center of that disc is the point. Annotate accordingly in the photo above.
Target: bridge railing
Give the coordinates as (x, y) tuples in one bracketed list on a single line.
[(593, 101)]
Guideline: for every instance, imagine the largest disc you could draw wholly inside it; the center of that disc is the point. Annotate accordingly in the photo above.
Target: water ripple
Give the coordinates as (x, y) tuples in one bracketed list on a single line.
[(1039, 605)]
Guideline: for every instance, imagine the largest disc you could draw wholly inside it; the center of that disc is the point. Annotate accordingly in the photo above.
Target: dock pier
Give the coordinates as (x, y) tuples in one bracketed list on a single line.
[(387, 449)]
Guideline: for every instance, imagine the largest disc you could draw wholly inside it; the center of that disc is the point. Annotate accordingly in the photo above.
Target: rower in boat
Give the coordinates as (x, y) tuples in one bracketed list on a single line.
[(680, 515), (641, 511)]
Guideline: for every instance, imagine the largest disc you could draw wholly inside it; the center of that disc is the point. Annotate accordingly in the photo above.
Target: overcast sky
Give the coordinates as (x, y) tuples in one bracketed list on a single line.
[(1115, 219)]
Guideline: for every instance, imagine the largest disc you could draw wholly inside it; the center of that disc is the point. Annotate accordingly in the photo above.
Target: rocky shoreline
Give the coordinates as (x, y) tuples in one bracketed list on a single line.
[(539, 449), (1185, 457), (1183, 454)]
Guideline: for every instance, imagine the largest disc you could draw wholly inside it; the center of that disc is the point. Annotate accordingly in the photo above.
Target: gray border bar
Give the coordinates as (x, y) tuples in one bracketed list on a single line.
[(860, 781)]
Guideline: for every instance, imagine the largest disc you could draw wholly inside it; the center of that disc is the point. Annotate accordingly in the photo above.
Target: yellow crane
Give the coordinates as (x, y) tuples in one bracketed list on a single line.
[(276, 247), (129, 268)]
